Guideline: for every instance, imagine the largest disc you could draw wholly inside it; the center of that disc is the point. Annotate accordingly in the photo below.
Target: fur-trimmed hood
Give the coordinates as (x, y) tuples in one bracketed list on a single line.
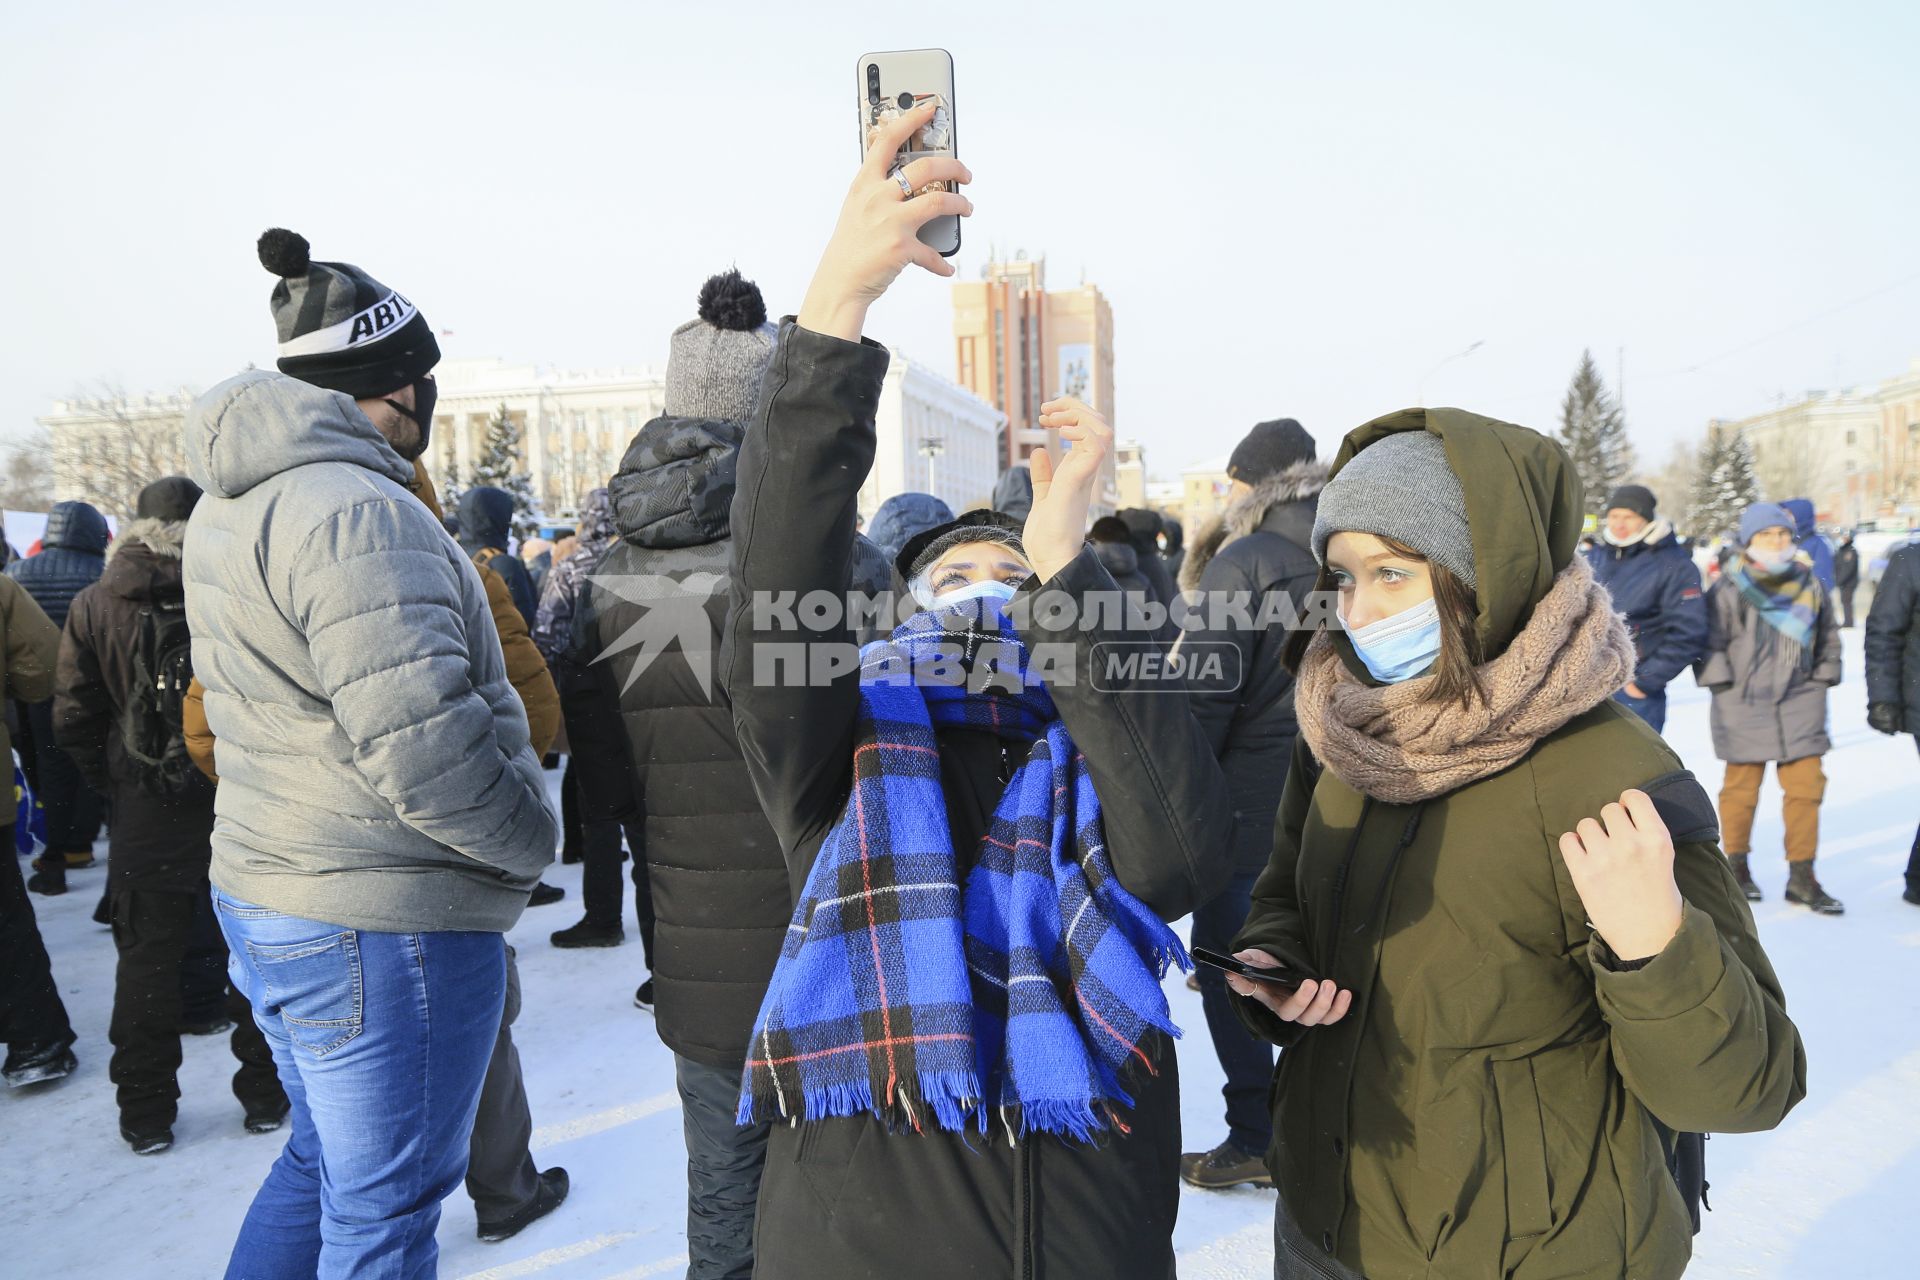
[(1247, 513), (144, 561), (162, 537)]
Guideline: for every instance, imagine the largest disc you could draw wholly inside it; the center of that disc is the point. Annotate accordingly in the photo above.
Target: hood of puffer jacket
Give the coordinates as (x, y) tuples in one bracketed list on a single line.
[(1176, 535), (1248, 512), (675, 484), (596, 527), (1119, 558), (485, 515), (258, 424), (1524, 510), (76, 526), (1013, 492), (1801, 509), (904, 515), (144, 561)]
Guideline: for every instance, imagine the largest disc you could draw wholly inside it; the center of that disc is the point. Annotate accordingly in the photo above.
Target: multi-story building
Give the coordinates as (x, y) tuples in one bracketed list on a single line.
[(106, 449), (1129, 474), (1016, 346), (1203, 488), (932, 437)]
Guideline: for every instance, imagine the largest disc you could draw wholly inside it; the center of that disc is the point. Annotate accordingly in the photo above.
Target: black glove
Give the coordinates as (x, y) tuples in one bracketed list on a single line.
[(1885, 716)]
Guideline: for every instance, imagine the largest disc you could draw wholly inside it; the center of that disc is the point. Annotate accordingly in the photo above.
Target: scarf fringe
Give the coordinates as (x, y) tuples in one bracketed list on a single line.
[(954, 1101)]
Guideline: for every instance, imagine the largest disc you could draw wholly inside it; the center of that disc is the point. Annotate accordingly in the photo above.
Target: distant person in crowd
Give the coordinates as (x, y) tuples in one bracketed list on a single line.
[(1112, 541), (1809, 540), (73, 557), (1773, 651), (1262, 544), (1521, 960), (381, 816), (1656, 585), (605, 843), (509, 1191), (1144, 527), (1013, 491), (958, 1083), (905, 516), (537, 555), (655, 732), (1893, 665), (1846, 576), (486, 532), (125, 661), (1174, 544), (33, 1020)]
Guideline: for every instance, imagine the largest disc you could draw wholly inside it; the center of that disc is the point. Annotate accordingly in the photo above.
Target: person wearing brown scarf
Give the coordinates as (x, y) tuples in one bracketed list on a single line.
[(1526, 980)]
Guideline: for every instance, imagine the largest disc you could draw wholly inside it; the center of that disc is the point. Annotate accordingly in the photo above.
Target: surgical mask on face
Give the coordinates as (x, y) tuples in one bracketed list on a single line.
[(1399, 647), (991, 589), (1773, 561)]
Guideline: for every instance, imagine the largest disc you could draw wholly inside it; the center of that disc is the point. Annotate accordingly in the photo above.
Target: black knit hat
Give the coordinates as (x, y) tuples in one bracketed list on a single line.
[(339, 327), (1636, 498), (169, 498), (1270, 448), (982, 525)]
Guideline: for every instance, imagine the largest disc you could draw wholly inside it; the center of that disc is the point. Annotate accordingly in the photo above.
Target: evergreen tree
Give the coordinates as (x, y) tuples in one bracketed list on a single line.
[(1724, 484), (502, 464), (1593, 430)]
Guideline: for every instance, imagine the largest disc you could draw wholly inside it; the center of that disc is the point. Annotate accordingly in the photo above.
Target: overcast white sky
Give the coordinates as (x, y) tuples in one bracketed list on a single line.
[(1294, 208)]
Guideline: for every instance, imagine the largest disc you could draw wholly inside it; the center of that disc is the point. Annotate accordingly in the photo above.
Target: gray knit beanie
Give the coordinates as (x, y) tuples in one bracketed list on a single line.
[(714, 363), (1400, 487)]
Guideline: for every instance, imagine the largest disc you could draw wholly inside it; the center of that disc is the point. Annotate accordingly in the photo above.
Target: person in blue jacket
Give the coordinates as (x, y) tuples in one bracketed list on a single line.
[(1814, 544), (1654, 582)]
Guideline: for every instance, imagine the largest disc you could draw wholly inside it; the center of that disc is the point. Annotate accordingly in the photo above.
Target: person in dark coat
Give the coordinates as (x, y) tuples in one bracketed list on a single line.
[(1846, 576), (1013, 491), (158, 850), (1144, 527), (656, 734), (1176, 545), (1260, 550), (1893, 666), (1657, 586), (887, 1181), (901, 517), (1773, 651), (1807, 536), (73, 555), (485, 517)]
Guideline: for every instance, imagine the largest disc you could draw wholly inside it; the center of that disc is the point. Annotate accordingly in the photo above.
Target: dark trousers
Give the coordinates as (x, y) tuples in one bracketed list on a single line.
[(73, 809), (1247, 1061), (601, 856), (723, 1171), (154, 931), (31, 1013), (204, 992), (1653, 710), (571, 833), (501, 1176), (1913, 857), (1846, 604)]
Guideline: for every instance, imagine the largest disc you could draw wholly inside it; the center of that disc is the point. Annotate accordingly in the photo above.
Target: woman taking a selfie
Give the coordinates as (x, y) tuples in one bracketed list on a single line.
[(965, 1048), (1529, 966)]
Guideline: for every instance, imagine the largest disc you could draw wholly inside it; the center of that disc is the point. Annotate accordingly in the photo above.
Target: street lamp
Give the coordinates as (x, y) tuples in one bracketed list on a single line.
[(1420, 393), (932, 447)]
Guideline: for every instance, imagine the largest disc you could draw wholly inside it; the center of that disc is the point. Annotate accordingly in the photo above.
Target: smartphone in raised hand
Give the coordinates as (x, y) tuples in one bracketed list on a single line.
[(891, 83), (1280, 979)]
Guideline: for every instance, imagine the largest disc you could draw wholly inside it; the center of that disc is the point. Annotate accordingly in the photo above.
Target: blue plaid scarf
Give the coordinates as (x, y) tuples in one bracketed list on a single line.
[(923, 992), (1787, 599)]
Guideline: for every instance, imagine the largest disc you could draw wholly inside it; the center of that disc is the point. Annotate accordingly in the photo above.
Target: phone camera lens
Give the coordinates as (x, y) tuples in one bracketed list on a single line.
[(906, 102)]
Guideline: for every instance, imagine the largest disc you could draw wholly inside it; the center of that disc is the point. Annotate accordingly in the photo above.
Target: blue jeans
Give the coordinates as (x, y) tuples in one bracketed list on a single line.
[(1247, 1061), (381, 1040), (1651, 709)]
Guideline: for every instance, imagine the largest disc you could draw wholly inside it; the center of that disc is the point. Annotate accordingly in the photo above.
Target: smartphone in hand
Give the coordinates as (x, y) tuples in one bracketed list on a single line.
[(1282, 979), (890, 83)]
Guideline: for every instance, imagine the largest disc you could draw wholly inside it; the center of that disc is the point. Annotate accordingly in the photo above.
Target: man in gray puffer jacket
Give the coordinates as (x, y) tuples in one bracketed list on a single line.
[(381, 817)]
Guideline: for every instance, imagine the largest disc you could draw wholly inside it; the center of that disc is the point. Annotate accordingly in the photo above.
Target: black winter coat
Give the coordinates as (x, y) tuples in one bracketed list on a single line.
[(485, 516), (1893, 637), (655, 737), (155, 842), (844, 1198), (1656, 585), (73, 552), (1846, 566), (1262, 544)]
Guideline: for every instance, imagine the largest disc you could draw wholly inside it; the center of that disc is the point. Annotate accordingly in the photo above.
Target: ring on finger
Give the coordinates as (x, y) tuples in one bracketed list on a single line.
[(906, 187)]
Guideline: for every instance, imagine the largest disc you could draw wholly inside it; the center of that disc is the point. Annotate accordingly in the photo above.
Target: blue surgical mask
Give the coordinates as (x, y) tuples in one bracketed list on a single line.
[(1401, 646), (1000, 593)]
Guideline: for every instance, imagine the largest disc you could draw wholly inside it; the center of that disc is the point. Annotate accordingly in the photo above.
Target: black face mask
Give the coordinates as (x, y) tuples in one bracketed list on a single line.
[(425, 392)]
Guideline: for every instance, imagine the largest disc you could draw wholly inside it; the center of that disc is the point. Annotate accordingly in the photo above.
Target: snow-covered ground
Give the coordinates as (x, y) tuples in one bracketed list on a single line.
[(1825, 1196)]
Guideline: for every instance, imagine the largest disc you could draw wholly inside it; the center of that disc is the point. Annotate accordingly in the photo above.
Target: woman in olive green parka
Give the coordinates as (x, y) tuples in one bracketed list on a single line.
[(1536, 964)]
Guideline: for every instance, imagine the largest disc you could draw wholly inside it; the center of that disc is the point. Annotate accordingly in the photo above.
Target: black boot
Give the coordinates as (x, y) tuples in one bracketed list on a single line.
[(267, 1118), (547, 1197), (1743, 877), (1224, 1166), (1803, 890), (36, 1063), (589, 934), (50, 881), (544, 893), (147, 1140)]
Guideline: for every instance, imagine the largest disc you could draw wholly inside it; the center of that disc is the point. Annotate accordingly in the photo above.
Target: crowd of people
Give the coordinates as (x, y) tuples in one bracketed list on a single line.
[(904, 874)]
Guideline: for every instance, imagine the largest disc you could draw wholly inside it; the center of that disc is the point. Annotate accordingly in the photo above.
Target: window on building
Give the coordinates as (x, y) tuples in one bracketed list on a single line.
[(1849, 437)]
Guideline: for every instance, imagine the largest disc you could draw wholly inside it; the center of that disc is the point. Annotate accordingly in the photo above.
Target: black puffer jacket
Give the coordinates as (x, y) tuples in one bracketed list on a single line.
[(719, 883), (1893, 637), (1261, 544), (156, 842), (485, 516), (843, 1198), (73, 553), (1144, 527)]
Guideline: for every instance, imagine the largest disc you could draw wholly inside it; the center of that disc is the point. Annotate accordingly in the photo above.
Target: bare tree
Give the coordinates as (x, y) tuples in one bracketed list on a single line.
[(106, 447), (1792, 462), (28, 482), (1673, 482)]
